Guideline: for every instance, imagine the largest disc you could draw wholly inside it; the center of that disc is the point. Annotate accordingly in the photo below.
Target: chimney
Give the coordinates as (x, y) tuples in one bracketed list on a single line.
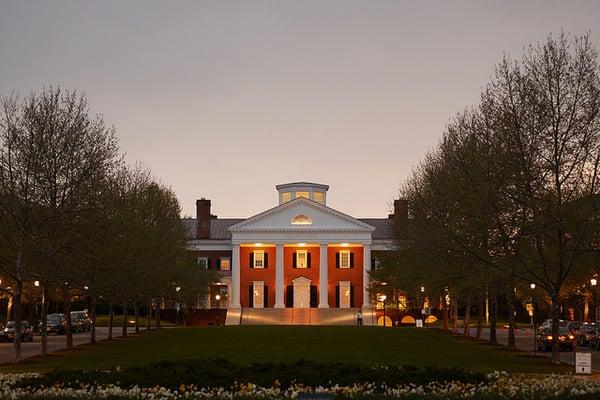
[(400, 210), (203, 218)]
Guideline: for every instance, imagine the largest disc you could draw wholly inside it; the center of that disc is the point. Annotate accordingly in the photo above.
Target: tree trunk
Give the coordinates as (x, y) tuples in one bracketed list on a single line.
[(555, 358), (455, 315), (467, 330), (157, 317), (137, 319), (93, 301), (110, 320), (480, 313), (44, 317), (67, 313), (511, 320), (493, 315), (148, 315), (124, 329), (445, 313), (17, 311)]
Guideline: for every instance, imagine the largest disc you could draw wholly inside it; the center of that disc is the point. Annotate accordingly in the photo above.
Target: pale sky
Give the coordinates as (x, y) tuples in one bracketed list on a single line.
[(226, 99)]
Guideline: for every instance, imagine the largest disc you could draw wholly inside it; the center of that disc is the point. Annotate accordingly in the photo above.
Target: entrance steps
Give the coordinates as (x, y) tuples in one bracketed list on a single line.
[(297, 316)]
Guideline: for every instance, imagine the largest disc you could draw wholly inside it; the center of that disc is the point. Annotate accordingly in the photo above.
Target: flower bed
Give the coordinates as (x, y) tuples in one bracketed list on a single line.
[(495, 386)]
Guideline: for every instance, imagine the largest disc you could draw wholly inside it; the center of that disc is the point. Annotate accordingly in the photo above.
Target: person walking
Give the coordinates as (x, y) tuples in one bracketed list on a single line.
[(359, 318)]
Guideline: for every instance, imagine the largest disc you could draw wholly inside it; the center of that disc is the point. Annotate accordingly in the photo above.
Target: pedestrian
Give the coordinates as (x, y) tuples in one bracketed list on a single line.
[(359, 318)]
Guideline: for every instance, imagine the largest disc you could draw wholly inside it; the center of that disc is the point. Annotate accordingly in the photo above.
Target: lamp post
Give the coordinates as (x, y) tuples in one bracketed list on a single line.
[(594, 282), (177, 289), (530, 309), (382, 299)]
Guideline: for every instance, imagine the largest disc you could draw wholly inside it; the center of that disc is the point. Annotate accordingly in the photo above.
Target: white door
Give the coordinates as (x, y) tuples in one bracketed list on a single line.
[(301, 294), (344, 294), (259, 294)]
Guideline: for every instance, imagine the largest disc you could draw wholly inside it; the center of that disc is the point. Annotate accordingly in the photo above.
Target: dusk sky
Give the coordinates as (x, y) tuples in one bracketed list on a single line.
[(224, 100)]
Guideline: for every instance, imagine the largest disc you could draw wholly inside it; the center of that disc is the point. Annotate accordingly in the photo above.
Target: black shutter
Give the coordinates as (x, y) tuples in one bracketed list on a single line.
[(351, 296), (207, 263), (266, 296), (289, 296), (266, 260), (294, 260), (337, 296), (251, 258), (351, 260), (373, 262), (313, 296), (218, 263), (337, 259), (308, 260), (251, 296)]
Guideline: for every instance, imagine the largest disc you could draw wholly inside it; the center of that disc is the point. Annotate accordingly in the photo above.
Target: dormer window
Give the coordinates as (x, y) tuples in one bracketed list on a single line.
[(319, 197), (301, 220), (285, 197)]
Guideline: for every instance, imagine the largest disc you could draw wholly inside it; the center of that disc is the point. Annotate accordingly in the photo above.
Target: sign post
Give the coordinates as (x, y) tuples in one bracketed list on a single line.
[(583, 363)]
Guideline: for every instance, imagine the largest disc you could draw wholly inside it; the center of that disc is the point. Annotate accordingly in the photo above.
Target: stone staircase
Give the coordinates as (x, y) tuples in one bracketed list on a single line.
[(297, 316)]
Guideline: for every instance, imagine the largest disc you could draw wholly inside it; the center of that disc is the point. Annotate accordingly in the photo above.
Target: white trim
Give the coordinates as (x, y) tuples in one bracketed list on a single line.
[(209, 245), (345, 285), (347, 252), (305, 252), (258, 293), (262, 259)]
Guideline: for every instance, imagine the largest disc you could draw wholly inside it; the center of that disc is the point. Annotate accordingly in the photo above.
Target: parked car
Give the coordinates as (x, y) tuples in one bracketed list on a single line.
[(548, 323), (575, 328), (587, 332), (7, 334), (55, 324), (565, 339), (81, 320)]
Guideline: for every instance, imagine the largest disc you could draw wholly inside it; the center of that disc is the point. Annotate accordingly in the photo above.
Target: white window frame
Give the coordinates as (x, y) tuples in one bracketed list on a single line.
[(203, 262), (305, 253), (256, 259), (228, 259), (344, 253)]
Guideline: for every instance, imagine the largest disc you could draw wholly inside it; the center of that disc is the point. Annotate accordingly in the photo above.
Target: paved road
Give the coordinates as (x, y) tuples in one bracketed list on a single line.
[(55, 343), (524, 340)]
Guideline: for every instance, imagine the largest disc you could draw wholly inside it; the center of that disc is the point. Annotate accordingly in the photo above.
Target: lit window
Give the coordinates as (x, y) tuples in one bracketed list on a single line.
[(286, 196), (306, 195), (344, 258), (259, 258), (301, 220), (319, 197), (203, 262), (225, 264), (301, 259)]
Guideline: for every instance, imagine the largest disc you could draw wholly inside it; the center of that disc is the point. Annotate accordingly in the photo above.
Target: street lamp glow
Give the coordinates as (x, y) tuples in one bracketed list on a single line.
[(177, 289), (593, 281), (36, 283), (422, 288), (382, 297), (532, 286), (218, 297)]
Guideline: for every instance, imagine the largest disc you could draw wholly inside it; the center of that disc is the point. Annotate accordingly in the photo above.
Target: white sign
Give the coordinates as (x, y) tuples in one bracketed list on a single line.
[(419, 323), (583, 363)]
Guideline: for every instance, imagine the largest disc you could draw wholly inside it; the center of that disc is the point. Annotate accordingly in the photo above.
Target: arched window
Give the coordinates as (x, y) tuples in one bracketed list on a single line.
[(301, 220)]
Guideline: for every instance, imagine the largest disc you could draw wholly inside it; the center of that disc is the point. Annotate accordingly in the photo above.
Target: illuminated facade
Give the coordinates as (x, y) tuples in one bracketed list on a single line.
[(300, 254)]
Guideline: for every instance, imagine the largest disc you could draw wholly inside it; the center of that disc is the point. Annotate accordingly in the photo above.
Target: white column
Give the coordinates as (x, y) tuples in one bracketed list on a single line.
[(235, 277), (323, 303), (279, 303), (366, 270)]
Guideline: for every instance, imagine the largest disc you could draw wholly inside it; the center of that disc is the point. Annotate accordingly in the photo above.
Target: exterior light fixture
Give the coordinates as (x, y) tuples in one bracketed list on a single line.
[(532, 286), (301, 244), (593, 281), (257, 244), (36, 283), (345, 245), (218, 297), (422, 288), (382, 297), (383, 283), (178, 288), (85, 288)]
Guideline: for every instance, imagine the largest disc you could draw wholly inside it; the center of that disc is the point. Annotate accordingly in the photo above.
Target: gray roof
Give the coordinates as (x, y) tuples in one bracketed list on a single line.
[(384, 227)]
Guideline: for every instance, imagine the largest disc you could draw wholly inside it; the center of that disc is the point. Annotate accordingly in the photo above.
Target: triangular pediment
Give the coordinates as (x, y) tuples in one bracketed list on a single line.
[(301, 215), (301, 279)]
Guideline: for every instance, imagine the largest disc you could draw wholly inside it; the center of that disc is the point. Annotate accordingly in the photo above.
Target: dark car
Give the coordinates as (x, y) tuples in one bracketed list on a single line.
[(586, 334), (8, 332), (80, 321), (575, 328), (566, 340), (55, 323)]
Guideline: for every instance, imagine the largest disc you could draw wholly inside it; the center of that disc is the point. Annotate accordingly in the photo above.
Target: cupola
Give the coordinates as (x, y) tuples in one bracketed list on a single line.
[(313, 191)]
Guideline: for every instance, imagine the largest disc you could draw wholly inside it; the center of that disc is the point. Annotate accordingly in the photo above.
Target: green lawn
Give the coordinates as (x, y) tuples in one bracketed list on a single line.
[(244, 344)]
